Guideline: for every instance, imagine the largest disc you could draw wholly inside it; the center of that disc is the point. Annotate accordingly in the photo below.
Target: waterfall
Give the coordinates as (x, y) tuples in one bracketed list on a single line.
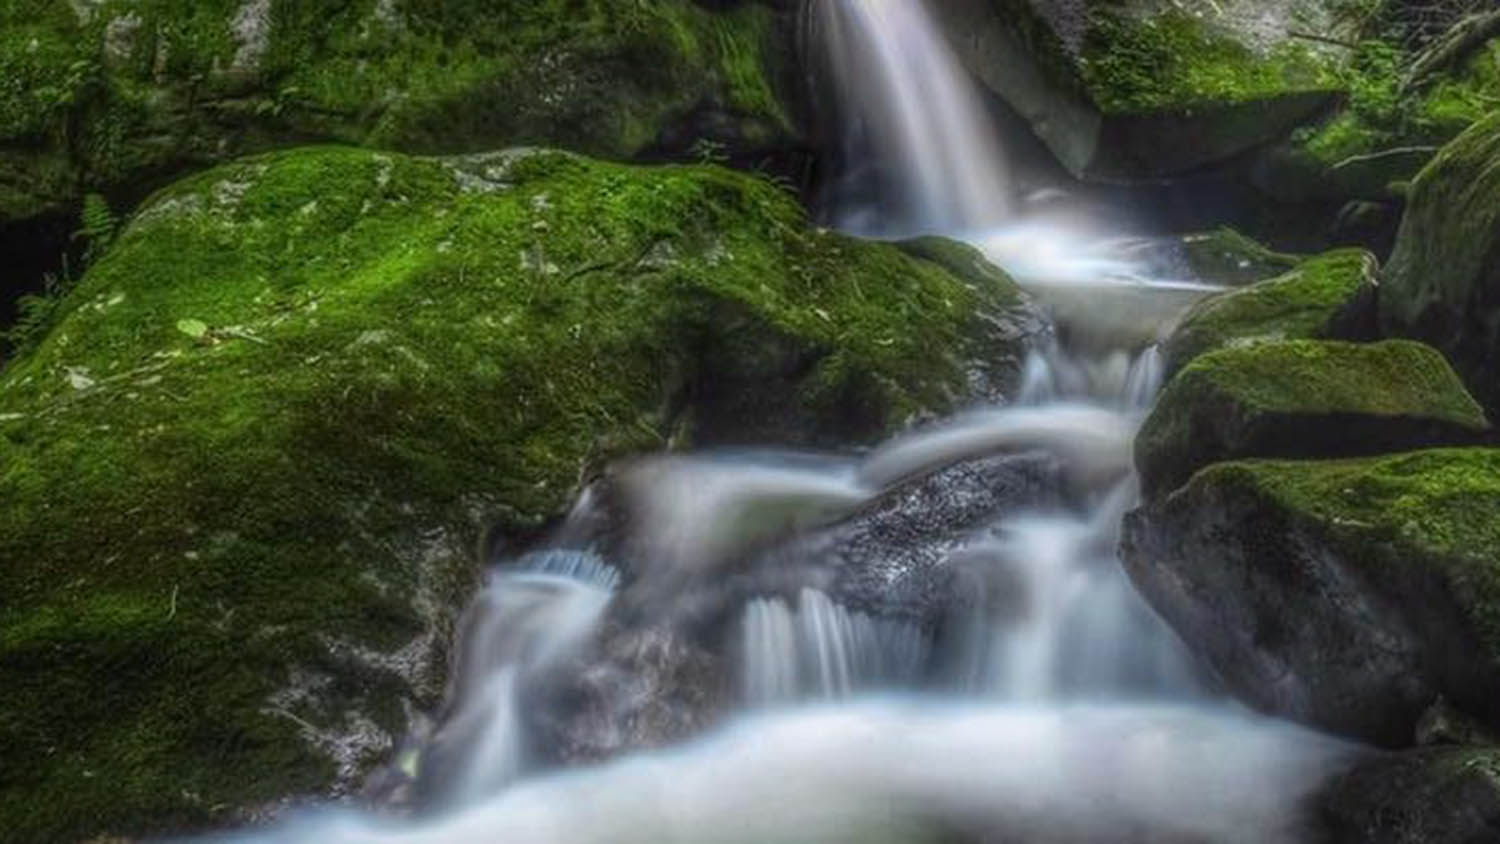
[(937, 164), (1044, 701)]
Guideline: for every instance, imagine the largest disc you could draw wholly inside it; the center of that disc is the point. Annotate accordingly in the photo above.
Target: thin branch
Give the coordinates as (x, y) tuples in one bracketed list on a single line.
[(1386, 153)]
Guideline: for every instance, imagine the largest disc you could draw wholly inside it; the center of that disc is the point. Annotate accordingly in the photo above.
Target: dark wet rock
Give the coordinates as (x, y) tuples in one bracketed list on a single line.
[(1446, 796), (1348, 594), (896, 558), (1303, 398), (1442, 283)]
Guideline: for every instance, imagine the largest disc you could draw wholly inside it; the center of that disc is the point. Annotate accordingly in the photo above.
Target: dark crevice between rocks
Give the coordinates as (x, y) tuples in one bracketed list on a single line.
[(40, 256)]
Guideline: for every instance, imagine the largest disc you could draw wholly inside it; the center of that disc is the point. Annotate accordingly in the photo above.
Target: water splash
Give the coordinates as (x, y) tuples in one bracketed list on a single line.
[(820, 650)]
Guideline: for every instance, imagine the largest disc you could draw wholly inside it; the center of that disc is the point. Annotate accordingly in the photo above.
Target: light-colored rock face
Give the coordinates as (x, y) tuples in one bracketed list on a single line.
[(251, 29)]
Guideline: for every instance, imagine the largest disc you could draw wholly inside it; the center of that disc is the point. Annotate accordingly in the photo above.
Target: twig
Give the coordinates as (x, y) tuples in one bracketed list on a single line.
[(1387, 153), (172, 613), (1323, 39)]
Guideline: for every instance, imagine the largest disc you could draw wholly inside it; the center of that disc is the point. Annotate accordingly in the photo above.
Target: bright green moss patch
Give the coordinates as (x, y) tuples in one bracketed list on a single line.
[(1383, 379), (1303, 398), (1173, 60), (246, 468), (1330, 296)]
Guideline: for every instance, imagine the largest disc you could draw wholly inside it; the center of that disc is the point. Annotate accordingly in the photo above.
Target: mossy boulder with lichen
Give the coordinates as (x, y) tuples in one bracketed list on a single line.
[(1144, 89), (1303, 398), (1442, 282), (1346, 594), (246, 467), (1330, 297), (107, 94)]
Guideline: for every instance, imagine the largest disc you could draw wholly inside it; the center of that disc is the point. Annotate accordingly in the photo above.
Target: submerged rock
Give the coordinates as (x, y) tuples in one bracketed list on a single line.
[(1330, 297), (1443, 280), (1303, 398), (1343, 594), (245, 469), (1447, 796), (1227, 258)]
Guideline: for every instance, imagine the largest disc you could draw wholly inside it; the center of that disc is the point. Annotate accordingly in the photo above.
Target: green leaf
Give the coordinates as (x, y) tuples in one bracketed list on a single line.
[(194, 328)]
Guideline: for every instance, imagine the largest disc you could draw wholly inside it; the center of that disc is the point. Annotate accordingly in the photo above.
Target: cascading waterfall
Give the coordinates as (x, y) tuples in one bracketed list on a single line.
[(1044, 702)]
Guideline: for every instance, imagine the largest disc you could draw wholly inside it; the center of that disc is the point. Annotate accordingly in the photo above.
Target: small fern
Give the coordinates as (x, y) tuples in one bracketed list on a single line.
[(97, 228)]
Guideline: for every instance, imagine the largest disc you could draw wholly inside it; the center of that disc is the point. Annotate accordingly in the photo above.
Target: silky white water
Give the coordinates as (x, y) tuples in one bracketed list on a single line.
[(1048, 704)]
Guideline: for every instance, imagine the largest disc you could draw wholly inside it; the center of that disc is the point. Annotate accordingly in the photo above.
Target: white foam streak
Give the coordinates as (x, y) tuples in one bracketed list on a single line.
[(901, 771)]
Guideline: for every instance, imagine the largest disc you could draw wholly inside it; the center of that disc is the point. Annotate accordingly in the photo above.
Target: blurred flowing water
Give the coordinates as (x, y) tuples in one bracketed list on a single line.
[(1037, 699)]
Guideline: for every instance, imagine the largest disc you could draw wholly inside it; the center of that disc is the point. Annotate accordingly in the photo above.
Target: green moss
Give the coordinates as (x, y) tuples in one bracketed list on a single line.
[(1384, 114), (282, 407), (135, 89), (1393, 378), (1303, 398), (1327, 297), (1172, 60), (1437, 507), (1441, 277)]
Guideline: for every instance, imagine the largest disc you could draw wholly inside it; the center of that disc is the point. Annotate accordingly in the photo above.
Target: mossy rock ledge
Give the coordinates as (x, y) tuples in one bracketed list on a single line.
[(1303, 398), (107, 95), (1139, 89), (246, 469), (1346, 594), (1442, 282), (1330, 297)]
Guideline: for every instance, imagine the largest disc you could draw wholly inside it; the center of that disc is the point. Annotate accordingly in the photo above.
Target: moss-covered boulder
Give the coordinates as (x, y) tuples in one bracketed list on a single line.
[(246, 468), (1230, 259), (1437, 796), (1143, 89), (106, 94), (1346, 594), (1331, 296), (1442, 283), (1303, 398)]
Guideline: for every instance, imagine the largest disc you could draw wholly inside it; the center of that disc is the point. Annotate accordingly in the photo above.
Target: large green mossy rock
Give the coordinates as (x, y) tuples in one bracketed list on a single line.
[(1345, 594), (1302, 398), (1447, 795), (245, 471), (103, 94), (1328, 297), (1142, 89), (1228, 258), (1442, 282)]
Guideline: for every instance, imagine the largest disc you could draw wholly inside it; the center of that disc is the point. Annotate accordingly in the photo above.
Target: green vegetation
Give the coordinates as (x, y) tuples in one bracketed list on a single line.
[(1303, 398), (1174, 61), (1442, 275), (1327, 297), (102, 94), (1434, 509), (1226, 257), (256, 447)]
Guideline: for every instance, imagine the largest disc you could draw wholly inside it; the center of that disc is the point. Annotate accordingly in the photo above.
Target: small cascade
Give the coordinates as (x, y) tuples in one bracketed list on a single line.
[(820, 650), (528, 617)]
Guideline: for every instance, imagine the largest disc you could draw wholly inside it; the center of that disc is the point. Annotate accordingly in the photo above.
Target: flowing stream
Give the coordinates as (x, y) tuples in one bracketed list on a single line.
[(875, 646)]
